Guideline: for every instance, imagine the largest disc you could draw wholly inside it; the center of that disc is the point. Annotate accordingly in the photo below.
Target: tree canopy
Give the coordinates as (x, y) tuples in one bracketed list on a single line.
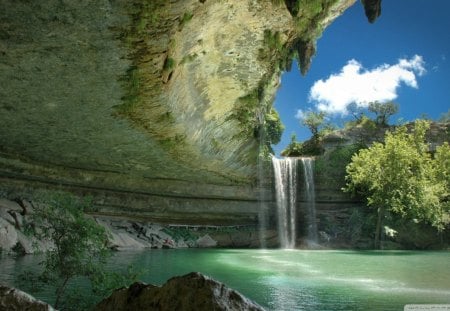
[(80, 248), (313, 121), (383, 111), (400, 176)]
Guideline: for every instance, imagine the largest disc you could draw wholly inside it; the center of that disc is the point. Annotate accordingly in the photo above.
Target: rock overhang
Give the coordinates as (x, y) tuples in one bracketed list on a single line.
[(146, 96)]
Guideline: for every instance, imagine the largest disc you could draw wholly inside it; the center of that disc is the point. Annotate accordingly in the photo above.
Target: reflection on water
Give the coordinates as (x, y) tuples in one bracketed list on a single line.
[(295, 280)]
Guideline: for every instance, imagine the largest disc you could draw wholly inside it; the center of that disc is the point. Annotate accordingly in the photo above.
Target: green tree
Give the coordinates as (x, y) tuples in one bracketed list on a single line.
[(313, 121), (442, 168), (445, 117), (294, 149), (383, 111), (79, 244), (399, 176)]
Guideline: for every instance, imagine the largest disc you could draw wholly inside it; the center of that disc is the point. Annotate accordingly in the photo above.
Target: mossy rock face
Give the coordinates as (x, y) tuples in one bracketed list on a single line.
[(135, 95)]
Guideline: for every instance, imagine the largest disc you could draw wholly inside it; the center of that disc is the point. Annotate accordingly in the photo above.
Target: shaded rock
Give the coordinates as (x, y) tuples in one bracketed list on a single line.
[(206, 241), (123, 240), (8, 235), (12, 299), (6, 216), (10, 205), (192, 291), (25, 243)]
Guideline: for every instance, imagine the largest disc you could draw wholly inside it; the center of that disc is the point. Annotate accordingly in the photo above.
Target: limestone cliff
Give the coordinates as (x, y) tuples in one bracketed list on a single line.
[(154, 107)]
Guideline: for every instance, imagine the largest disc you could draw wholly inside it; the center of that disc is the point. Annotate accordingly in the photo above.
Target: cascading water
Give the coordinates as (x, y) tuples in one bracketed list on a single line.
[(308, 172), (285, 172)]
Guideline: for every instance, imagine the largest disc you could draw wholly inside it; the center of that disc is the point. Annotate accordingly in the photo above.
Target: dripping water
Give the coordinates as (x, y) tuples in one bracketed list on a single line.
[(310, 199)]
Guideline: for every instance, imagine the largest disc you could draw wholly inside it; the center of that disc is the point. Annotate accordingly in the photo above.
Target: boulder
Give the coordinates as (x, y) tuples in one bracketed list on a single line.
[(206, 241), (192, 291), (12, 299), (125, 241), (10, 205), (8, 235), (26, 243), (7, 216)]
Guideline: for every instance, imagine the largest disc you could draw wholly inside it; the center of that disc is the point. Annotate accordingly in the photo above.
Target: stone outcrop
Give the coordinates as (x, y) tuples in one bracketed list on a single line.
[(155, 102), (372, 9), (13, 299), (192, 291)]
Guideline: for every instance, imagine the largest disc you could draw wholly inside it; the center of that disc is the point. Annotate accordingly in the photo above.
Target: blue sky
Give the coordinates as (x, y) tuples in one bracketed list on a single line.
[(404, 57)]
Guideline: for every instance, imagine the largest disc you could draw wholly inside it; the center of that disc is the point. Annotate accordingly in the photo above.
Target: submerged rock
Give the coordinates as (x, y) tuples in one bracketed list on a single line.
[(13, 299), (192, 291)]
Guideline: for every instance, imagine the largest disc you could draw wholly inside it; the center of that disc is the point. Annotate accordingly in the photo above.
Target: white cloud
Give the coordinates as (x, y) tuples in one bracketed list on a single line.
[(355, 84), (300, 114)]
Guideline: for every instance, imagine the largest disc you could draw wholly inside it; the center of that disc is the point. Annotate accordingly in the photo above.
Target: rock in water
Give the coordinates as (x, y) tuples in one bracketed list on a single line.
[(192, 291), (12, 299), (206, 241)]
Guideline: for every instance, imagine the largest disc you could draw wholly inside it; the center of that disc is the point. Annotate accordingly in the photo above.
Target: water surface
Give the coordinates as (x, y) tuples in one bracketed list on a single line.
[(296, 279)]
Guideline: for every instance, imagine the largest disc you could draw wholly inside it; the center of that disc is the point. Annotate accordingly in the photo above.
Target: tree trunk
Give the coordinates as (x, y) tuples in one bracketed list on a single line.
[(378, 228), (60, 292)]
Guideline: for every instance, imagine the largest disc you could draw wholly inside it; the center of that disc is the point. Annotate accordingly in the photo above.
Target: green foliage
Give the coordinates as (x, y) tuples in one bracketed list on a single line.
[(132, 81), (275, 51), (294, 149), (244, 112), (273, 127), (445, 117), (333, 163), (400, 176), (442, 168), (79, 243), (367, 124), (383, 111), (313, 120), (169, 64), (273, 40)]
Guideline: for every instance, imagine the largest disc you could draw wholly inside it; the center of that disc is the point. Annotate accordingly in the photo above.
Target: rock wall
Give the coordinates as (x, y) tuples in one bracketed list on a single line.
[(157, 100)]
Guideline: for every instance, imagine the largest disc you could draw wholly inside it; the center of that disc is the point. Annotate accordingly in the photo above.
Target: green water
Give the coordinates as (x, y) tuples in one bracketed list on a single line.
[(297, 279)]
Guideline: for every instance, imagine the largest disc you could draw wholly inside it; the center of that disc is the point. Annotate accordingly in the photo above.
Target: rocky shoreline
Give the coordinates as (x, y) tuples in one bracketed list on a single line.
[(127, 234)]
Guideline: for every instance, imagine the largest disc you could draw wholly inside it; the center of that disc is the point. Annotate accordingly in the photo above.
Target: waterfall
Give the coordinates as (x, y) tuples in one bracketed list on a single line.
[(285, 173), (308, 172)]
